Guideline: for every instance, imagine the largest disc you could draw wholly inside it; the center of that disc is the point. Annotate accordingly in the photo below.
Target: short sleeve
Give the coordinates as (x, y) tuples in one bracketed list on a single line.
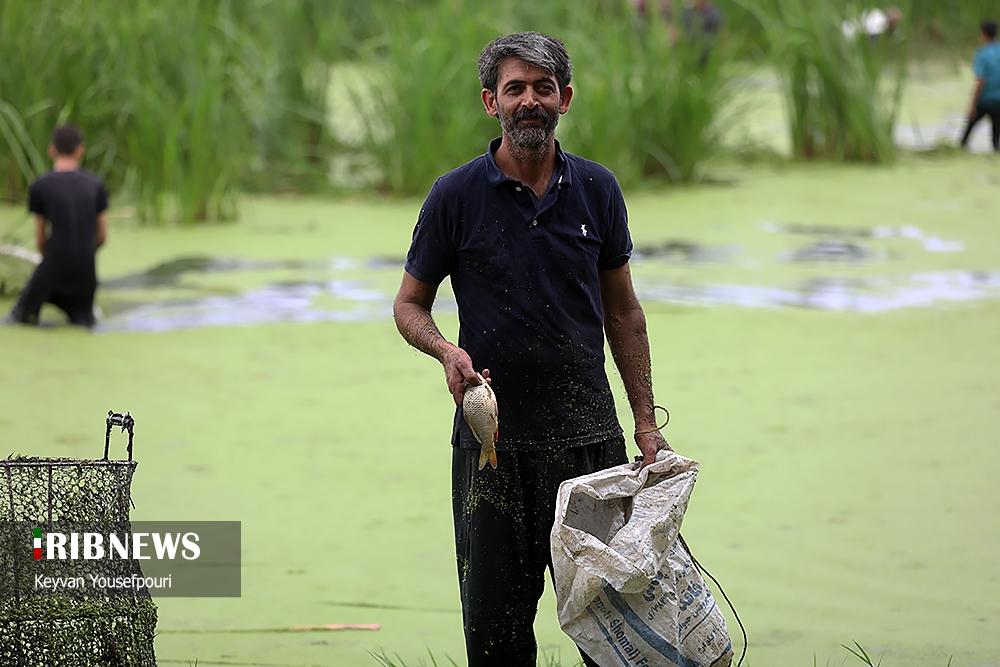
[(432, 251), (36, 203), (102, 199), (616, 248)]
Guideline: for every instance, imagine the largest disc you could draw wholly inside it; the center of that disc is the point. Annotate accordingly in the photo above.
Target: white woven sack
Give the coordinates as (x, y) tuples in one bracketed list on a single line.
[(627, 590)]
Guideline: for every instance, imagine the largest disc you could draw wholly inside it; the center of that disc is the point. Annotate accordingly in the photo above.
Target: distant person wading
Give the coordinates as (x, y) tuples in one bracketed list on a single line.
[(986, 96), (70, 208), (536, 243)]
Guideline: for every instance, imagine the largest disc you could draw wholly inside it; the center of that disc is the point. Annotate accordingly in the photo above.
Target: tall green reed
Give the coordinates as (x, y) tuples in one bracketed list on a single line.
[(952, 23), (287, 49), (652, 101), (419, 97), (842, 93), (647, 105), (182, 103)]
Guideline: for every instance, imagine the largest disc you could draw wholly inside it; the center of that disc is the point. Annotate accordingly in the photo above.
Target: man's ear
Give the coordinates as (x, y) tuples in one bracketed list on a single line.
[(78, 153), (567, 95), (490, 102), (52, 152)]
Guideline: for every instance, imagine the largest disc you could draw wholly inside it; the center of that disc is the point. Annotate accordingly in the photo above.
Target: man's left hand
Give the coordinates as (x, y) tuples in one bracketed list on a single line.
[(649, 443)]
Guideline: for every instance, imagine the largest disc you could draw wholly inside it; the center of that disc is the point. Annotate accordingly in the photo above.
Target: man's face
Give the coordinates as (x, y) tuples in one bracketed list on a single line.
[(527, 103)]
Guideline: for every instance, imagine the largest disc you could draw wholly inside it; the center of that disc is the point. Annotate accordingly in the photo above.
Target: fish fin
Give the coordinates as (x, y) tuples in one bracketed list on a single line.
[(493, 458), (483, 458)]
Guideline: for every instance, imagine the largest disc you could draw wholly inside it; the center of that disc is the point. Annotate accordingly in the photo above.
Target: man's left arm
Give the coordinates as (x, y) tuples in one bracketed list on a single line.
[(625, 327), (40, 233), (102, 229)]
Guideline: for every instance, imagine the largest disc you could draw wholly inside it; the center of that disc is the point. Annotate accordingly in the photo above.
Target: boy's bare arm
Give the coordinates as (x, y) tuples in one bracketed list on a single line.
[(102, 228), (40, 233)]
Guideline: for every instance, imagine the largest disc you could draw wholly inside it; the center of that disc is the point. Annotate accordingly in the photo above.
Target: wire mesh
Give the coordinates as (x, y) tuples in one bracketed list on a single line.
[(68, 628)]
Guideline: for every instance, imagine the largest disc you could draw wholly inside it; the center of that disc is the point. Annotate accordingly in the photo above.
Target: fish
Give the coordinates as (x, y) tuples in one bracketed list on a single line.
[(479, 407)]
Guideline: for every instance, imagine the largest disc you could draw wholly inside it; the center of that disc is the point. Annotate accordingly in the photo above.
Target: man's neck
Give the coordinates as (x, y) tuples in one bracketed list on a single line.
[(529, 167), (65, 164)]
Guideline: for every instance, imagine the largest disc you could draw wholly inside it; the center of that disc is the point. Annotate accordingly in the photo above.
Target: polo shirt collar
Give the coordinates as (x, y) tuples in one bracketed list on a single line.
[(495, 175)]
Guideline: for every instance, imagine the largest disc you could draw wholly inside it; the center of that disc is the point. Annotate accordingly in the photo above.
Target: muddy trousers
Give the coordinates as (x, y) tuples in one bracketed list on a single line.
[(71, 292), (991, 109), (503, 518)]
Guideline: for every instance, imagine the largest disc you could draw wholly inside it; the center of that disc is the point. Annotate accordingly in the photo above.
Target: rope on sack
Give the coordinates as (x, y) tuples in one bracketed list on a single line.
[(661, 426), (654, 430), (746, 641)]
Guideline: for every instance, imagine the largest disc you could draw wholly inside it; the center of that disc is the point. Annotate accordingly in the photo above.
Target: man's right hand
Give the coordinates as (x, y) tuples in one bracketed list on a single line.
[(459, 372)]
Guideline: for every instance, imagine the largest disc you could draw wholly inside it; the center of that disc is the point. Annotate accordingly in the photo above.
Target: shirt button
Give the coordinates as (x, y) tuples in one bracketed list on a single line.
[(518, 188), (534, 223)]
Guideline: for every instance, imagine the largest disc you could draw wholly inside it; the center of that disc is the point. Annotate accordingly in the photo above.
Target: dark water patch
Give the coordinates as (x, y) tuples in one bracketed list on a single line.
[(919, 290), (169, 274), (832, 250), (834, 233), (817, 229), (679, 250), (292, 301), (356, 290)]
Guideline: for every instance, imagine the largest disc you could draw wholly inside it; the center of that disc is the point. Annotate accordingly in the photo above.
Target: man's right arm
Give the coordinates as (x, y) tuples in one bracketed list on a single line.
[(102, 215), (102, 228), (412, 312)]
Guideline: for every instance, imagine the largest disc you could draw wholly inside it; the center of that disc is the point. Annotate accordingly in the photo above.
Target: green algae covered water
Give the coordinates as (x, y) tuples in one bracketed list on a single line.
[(826, 339)]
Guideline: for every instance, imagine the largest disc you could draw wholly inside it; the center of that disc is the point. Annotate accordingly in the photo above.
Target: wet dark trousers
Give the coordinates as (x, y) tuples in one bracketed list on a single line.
[(503, 518), (76, 298), (991, 109)]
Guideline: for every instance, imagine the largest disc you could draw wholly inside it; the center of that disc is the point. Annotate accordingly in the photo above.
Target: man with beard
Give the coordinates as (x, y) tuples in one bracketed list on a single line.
[(536, 243)]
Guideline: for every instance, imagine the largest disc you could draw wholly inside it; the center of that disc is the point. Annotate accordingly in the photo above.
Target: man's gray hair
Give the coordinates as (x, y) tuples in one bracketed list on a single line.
[(533, 48)]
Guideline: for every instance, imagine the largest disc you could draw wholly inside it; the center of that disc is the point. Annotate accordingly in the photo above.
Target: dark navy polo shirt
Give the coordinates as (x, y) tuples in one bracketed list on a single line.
[(525, 272)]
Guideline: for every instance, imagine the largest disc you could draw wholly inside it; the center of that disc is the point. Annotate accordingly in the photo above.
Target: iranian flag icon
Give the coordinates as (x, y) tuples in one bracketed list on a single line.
[(38, 543)]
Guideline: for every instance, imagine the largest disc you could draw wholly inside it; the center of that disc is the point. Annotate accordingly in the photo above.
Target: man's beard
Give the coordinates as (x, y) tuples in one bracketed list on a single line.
[(531, 138)]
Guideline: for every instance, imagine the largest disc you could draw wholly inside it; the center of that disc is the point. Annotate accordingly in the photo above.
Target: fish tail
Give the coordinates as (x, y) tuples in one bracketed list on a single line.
[(493, 450), (488, 455)]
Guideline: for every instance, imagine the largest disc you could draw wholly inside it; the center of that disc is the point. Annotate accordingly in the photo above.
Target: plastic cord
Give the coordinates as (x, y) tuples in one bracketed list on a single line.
[(746, 642)]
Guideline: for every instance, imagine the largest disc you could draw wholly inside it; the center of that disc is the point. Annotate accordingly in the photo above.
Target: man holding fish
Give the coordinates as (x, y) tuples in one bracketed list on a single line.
[(536, 243)]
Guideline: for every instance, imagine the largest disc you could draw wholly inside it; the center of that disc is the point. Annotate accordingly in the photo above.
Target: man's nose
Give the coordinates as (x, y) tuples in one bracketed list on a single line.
[(529, 100)]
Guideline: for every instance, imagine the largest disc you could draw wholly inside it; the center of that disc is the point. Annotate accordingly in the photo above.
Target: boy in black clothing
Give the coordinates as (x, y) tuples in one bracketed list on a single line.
[(70, 208)]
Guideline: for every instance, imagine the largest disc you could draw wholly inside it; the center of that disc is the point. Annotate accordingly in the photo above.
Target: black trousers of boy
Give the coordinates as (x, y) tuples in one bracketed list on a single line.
[(991, 109), (503, 518), (71, 289)]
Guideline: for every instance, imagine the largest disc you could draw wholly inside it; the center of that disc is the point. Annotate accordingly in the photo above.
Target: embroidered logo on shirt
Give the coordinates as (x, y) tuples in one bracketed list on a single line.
[(583, 228)]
